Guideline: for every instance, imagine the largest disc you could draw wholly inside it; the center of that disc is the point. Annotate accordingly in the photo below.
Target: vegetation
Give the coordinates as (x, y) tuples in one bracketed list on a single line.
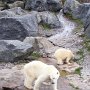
[(78, 71), (35, 55), (46, 26), (80, 55), (74, 19)]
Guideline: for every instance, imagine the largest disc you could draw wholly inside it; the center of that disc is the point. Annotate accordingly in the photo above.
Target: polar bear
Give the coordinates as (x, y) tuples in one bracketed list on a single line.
[(62, 55), (39, 72)]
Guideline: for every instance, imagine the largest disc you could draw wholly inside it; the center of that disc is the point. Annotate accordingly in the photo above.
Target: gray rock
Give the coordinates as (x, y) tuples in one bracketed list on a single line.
[(49, 19), (76, 9), (82, 11), (3, 5), (14, 50), (17, 4), (6, 13), (71, 6), (17, 11), (87, 25), (13, 12), (43, 5), (9, 1), (12, 28)]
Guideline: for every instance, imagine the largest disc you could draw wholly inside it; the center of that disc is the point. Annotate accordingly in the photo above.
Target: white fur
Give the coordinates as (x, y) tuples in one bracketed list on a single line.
[(39, 72), (62, 54)]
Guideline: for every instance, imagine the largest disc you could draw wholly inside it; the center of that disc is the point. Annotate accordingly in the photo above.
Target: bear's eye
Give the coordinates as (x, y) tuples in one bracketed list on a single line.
[(57, 72)]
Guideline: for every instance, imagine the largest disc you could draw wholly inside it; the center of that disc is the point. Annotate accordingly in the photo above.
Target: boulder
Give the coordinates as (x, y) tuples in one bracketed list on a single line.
[(6, 13), (3, 5), (12, 12), (14, 50), (41, 45), (17, 4), (17, 11), (43, 5), (9, 1), (76, 9), (82, 11), (87, 24), (12, 28), (49, 20), (70, 7)]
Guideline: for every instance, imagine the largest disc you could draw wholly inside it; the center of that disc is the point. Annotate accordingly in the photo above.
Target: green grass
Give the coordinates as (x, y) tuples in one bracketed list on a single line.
[(81, 56), (35, 55), (78, 71), (86, 44), (45, 26)]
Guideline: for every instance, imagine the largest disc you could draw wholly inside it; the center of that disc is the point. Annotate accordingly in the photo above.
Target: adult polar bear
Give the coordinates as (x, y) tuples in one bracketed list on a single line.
[(62, 54), (41, 72)]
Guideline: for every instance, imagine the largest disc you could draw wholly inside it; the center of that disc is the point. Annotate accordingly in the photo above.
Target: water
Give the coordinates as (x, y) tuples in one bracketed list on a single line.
[(68, 26)]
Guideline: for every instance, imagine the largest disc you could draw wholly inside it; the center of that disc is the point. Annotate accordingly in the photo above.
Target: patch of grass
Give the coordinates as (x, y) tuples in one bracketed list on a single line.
[(73, 19), (86, 44), (46, 26), (76, 88), (35, 55), (78, 71), (80, 53)]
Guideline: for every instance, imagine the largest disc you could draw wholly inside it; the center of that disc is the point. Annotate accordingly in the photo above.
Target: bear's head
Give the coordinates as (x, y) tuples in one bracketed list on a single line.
[(53, 74)]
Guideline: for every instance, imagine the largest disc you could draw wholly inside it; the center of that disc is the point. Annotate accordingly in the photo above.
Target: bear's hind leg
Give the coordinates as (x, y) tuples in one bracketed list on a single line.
[(60, 62), (68, 60)]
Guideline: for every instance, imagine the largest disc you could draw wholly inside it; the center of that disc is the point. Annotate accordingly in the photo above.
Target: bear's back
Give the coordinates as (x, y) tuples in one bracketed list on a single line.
[(62, 53)]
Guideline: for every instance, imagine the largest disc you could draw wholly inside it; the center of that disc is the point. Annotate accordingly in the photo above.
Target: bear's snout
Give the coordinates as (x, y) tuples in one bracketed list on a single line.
[(52, 83)]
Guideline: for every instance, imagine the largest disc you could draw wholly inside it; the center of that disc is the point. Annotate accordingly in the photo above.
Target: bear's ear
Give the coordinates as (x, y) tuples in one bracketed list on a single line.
[(58, 73)]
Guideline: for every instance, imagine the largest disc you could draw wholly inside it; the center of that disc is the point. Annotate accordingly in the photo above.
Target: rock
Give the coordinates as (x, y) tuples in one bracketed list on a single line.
[(82, 11), (6, 13), (3, 5), (9, 1), (14, 50), (12, 28), (69, 68), (87, 24), (12, 12), (43, 5), (41, 45), (76, 9), (48, 20), (17, 4), (54, 5), (70, 7), (17, 11)]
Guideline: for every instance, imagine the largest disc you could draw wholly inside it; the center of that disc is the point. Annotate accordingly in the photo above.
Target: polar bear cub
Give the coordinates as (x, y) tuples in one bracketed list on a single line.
[(62, 55), (39, 72)]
